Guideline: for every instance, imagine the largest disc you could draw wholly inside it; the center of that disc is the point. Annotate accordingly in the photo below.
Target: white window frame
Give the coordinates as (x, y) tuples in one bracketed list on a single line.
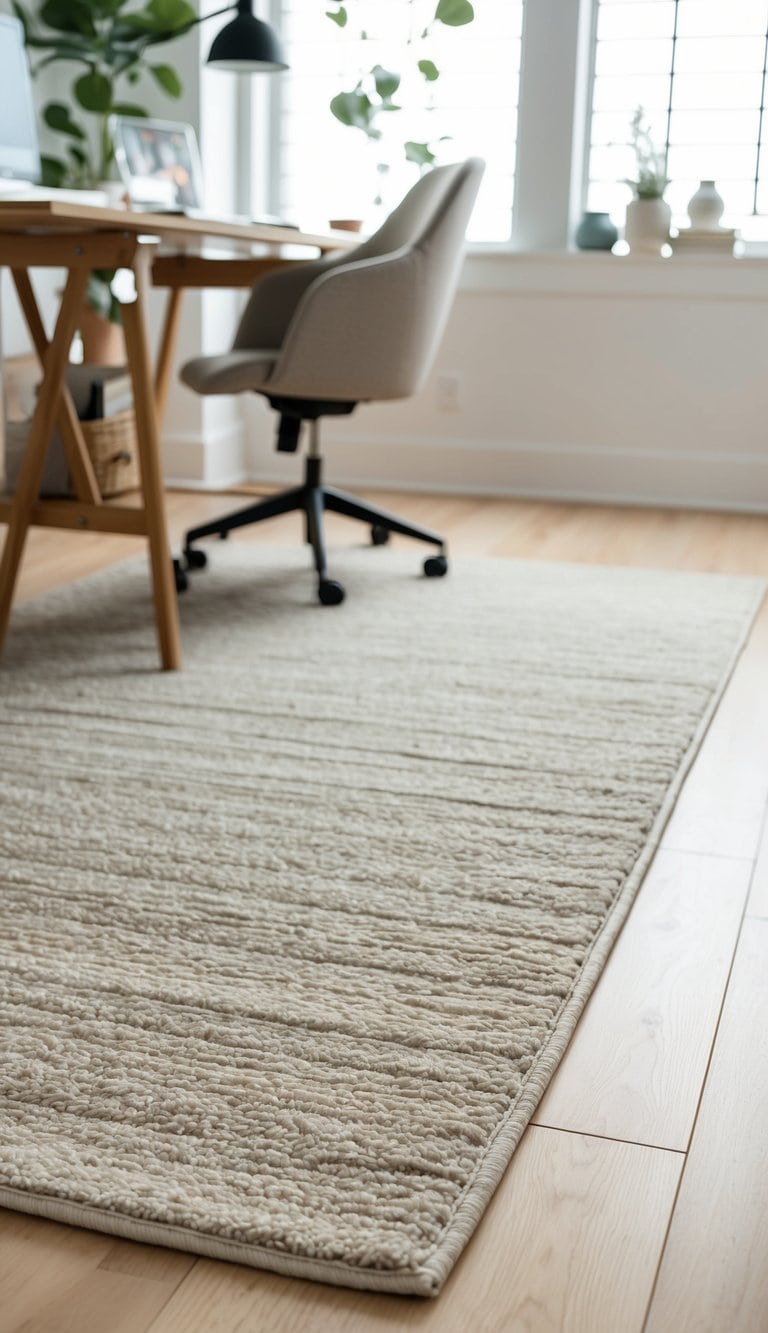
[(553, 122)]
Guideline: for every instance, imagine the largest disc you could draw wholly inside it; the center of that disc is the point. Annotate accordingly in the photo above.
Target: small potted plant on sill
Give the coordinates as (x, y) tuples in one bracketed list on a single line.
[(113, 45), (648, 213)]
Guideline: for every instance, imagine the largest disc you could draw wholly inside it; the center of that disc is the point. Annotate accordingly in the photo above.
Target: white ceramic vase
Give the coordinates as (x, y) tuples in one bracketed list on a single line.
[(647, 226), (705, 207)]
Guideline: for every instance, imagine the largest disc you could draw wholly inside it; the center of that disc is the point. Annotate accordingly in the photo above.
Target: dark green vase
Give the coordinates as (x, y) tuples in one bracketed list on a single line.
[(596, 232)]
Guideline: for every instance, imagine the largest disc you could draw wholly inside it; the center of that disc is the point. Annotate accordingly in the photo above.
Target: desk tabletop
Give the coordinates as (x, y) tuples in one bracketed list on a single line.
[(53, 216)]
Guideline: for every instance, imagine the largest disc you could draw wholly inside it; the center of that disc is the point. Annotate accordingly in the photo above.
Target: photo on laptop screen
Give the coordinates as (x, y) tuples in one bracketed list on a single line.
[(159, 162)]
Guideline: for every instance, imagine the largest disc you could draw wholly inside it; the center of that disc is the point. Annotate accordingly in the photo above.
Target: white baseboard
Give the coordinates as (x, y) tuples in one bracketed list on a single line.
[(205, 463), (680, 478)]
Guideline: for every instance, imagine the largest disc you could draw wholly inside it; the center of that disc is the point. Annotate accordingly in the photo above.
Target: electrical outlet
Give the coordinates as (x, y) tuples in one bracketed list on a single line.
[(449, 392)]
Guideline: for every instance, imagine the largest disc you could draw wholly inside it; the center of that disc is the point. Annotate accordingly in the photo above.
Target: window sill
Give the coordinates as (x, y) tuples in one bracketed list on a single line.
[(500, 268)]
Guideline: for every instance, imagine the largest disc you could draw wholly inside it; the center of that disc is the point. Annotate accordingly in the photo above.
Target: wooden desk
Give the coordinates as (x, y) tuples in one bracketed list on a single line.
[(79, 238)]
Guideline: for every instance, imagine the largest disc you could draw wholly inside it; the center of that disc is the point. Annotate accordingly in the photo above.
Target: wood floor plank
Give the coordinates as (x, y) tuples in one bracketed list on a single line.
[(61, 1279), (637, 1061), (40, 1261), (714, 1274), (147, 1262), (758, 898), (41, 1264), (721, 808), (570, 1241), (100, 1301)]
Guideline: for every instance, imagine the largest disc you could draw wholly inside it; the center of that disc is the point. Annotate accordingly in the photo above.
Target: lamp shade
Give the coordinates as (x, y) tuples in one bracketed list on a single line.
[(246, 44)]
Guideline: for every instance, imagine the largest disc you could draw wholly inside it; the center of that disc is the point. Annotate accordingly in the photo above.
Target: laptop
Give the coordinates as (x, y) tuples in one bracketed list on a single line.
[(19, 151), (159, 163)]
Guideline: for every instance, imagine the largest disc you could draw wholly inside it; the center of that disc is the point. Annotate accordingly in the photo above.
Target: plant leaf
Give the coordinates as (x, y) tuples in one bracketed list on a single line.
[(94, 92), (128, 109), (387, 82), (420, 153), (64, 48), (429, 70), (108, 8), (56, 116), (340, 17), (69, 16), (77, 155), (356, 109), (53, 172), (62, 55), (172, 13), (163, 18), (168, 79), (454, 13)]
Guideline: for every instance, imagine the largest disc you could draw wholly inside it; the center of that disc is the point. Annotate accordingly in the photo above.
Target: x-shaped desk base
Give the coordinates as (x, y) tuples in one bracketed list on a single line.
[(79, 254)]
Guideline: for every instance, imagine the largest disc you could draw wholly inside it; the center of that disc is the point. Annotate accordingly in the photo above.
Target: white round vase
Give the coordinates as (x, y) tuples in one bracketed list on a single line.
[(705, 207), (647, 226)]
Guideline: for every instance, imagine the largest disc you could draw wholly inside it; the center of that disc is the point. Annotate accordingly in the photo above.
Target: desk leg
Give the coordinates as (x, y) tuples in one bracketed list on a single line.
[(31, 472), (166, 607), (80, 465), (165, 358)]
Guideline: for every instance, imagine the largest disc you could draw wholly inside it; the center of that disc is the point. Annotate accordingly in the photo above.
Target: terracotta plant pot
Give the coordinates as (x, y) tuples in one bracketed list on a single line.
[(103, 341)]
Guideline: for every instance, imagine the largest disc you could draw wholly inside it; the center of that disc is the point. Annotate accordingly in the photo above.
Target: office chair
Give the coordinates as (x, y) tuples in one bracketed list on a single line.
[(318, 338)]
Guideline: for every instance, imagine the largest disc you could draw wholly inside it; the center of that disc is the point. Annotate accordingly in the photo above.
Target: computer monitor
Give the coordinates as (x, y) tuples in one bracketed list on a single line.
[(19, 148)]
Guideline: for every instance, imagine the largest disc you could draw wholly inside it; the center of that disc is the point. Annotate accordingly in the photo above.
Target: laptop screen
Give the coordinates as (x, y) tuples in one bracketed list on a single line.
[(159, 162), (19, 152)]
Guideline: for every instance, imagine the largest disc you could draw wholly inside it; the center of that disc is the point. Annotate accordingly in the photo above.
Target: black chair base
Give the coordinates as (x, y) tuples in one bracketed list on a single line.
[(313, 499)]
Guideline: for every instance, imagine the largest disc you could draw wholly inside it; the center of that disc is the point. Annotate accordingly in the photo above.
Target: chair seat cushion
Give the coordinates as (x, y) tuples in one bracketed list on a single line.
[(232, 372)]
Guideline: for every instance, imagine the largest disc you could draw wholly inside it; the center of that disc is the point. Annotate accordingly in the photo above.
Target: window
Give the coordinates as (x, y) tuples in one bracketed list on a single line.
[(698, 67), (328, 169)]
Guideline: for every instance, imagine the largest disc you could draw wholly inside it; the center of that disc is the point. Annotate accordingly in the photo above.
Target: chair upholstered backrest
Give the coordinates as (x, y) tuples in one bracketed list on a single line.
[(366, 324), (421, 208)]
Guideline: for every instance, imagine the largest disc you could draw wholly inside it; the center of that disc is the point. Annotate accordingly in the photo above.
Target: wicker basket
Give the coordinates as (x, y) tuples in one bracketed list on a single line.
[(111, 444)]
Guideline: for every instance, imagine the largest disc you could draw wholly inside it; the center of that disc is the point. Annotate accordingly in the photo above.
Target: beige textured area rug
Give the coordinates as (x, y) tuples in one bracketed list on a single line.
[(291, 942)]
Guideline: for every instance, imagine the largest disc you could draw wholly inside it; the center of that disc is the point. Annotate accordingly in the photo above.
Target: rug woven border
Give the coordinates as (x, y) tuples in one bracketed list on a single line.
[(430, 1278)]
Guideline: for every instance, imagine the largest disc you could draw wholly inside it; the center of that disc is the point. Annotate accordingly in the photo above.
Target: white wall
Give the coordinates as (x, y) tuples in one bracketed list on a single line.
[(580, 377)]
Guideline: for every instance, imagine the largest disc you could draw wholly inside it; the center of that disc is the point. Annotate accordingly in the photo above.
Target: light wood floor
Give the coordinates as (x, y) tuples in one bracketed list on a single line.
[(638, 1198)]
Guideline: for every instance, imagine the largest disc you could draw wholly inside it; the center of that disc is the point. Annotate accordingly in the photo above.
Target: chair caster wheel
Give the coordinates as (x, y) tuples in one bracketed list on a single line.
[(195, 559), (379, 535), (224, 536), (435, 566), (330, 592), (179, 576)]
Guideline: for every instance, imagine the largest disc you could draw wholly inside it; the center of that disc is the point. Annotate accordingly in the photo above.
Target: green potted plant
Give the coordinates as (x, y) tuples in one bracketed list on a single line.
[(113, 46), (369, 105), (648, 213)]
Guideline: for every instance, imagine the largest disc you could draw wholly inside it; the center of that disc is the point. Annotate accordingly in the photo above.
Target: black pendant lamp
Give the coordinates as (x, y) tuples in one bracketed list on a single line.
[(246, 45)]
